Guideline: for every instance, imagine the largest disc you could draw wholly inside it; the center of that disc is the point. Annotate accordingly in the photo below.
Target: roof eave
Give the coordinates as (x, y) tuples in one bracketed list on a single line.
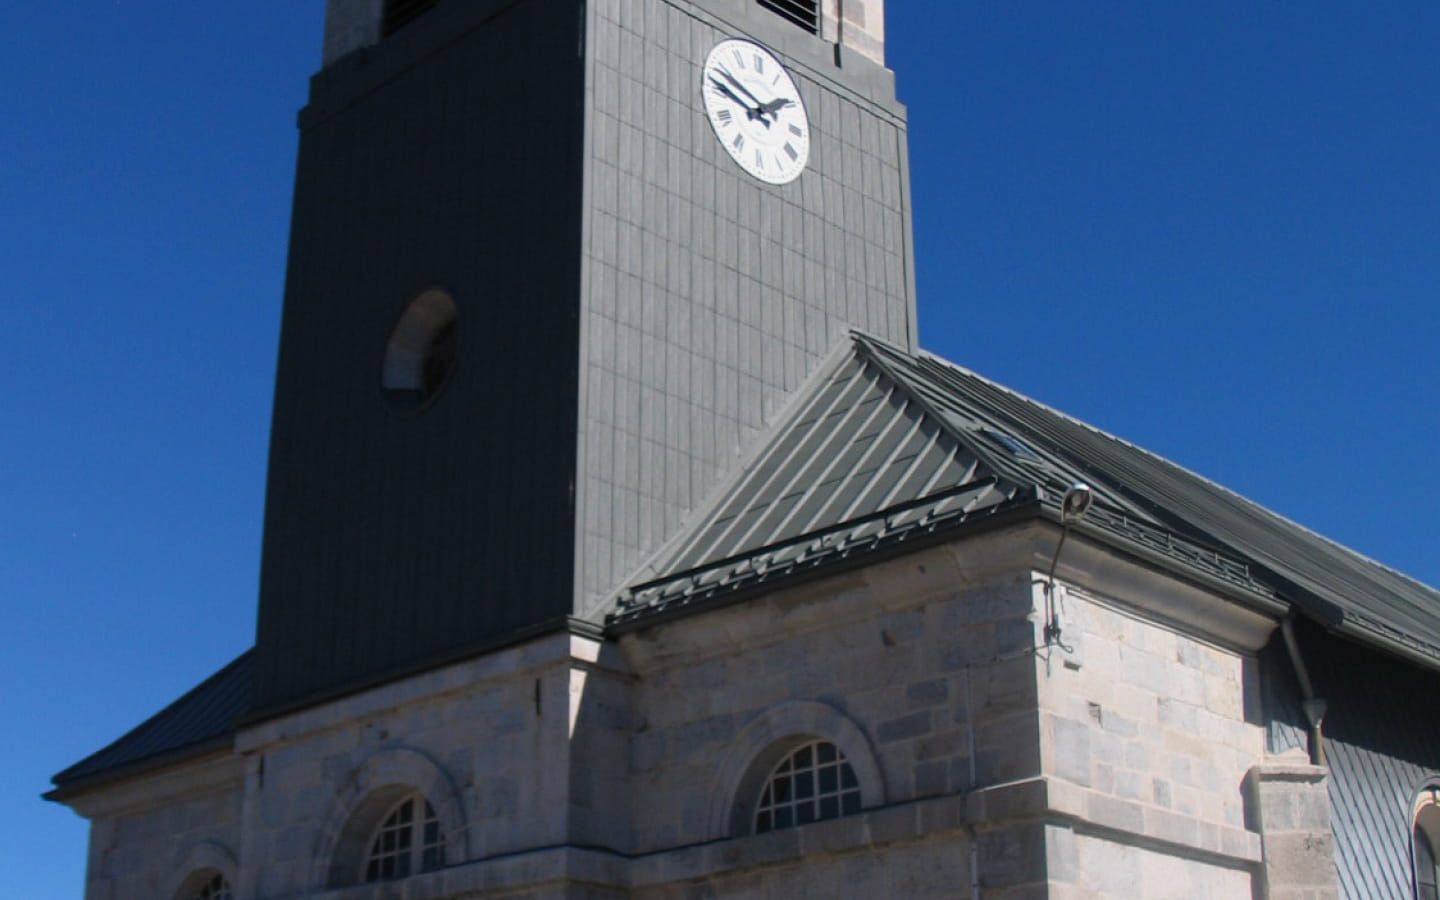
[(1029, 509), (68, 790)]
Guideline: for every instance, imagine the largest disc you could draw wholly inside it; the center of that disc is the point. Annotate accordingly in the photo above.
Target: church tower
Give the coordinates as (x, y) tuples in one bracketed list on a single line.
[(553, 265)]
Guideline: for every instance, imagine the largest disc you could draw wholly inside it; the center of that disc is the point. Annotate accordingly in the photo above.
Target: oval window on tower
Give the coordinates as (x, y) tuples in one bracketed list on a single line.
[(420, 354)]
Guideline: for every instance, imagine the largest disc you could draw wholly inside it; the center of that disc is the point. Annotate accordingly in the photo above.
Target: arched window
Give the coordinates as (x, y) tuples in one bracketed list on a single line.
[(1426, 840), (408, 840), (798, 762), (420, 354), (397, 810), (216, 888), (814, 783), (206, 884)]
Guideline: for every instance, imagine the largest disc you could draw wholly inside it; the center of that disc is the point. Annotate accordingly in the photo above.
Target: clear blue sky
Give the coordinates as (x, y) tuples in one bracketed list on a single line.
[(1213, 229)]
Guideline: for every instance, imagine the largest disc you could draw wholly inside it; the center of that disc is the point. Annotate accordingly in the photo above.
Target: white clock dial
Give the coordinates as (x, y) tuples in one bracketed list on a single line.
[(756, 111)]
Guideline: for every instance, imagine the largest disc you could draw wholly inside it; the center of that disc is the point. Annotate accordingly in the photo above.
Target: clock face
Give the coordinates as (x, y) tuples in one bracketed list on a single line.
[(756, 111)]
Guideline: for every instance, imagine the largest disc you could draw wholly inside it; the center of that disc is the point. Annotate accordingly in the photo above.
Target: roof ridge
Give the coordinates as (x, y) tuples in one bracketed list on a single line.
[(991, 458), (1210, 482)]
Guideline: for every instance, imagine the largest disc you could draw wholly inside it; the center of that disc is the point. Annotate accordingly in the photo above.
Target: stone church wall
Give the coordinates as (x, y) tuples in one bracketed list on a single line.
[(485, 741), (1133, 748), (984, 759), (1148, 735), (889, 650), (148, 836)]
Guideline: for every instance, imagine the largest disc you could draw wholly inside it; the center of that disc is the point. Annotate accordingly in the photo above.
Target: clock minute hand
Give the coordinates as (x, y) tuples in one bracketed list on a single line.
[(750, 111), (754, 110)]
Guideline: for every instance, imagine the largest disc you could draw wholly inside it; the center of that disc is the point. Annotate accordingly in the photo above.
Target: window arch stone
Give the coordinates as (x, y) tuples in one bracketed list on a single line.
[(768, 740), (373, 789), (1425, 843)]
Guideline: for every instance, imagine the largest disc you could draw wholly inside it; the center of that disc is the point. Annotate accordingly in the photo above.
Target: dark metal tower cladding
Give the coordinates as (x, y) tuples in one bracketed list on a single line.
[(536, 310)]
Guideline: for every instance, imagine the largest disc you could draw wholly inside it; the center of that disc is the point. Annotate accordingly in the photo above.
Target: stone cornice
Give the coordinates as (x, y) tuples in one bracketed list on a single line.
[(220, 770)]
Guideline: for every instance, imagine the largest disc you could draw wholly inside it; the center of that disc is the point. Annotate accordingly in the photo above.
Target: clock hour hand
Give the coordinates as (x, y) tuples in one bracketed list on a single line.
[(775, 106)]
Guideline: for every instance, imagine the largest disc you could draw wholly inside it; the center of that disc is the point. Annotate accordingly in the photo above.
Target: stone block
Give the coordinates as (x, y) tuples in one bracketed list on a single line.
[(647, 751), (1011, 857), (931, 778), (1160, 793), (1007, 750), (1300, 859), (1004, 688), (927, 693), (1070, 749), (904, 728), (1115, 813), (940, 746)]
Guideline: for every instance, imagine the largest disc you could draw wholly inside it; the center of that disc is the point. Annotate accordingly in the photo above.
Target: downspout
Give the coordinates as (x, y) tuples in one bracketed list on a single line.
[(974, 849), (1313, 706)]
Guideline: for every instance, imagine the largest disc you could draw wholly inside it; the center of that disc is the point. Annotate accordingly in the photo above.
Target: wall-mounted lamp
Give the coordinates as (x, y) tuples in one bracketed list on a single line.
[(1073, 507)]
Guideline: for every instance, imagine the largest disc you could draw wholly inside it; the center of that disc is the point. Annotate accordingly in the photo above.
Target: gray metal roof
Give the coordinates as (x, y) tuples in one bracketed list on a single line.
[(203, 718), (886, 443), (886, 449)]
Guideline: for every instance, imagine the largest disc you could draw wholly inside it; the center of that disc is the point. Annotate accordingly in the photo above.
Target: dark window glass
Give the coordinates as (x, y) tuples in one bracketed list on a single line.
[(399, 13), (805, 13), (404, 843), (216, 888), (420, 355), (813, 783)]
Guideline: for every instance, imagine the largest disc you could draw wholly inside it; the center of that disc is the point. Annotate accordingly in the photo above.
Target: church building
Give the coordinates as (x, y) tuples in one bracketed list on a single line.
[(621, 542)]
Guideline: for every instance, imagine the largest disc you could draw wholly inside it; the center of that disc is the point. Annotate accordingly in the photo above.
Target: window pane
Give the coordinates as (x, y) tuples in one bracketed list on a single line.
[(782, 789), (805, 785), (829, 780)]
